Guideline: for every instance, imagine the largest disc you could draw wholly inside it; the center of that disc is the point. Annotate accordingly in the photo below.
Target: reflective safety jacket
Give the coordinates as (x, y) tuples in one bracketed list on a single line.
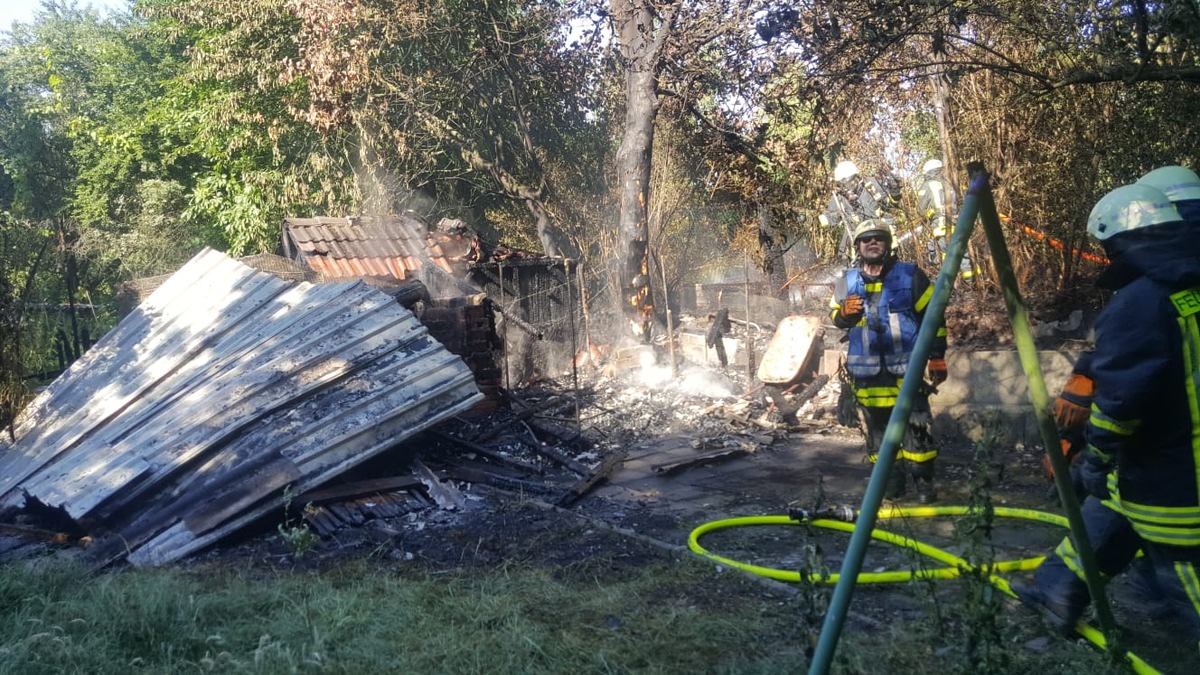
[(936, 201), (882, 339), (1146, 366)]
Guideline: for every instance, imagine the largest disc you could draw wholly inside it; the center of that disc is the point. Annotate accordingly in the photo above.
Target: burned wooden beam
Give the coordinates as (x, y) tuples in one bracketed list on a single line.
[(486, 452), (553, 454), (669, 468), (556, 431), (358, 489), (517, 321), (596, 477)]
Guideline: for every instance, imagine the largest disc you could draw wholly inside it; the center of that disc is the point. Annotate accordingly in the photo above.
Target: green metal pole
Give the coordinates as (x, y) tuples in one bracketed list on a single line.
[(835, 617), (1040, 399)]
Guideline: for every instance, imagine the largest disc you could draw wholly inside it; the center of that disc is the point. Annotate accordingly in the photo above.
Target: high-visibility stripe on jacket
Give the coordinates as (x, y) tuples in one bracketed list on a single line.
[(1146, 414)]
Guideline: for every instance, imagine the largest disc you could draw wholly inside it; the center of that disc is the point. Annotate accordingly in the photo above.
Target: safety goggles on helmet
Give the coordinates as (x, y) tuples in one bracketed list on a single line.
[(871, 228), (1176, 182), (1128, 208)]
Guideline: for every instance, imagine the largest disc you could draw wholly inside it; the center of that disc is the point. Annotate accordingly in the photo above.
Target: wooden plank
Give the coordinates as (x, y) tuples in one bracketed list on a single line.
[(701, 460), (358, 488), (598, 476)]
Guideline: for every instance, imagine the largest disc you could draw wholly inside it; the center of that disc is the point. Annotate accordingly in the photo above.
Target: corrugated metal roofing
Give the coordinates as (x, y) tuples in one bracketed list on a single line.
[(365, 246), (189, 418)]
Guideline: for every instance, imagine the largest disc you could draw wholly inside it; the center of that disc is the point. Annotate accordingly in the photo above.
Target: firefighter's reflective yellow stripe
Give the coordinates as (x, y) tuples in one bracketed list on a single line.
[(923, 300), (873, 286), (1186, 572), (966, 274), (1187, 303), (1070, 557), (1119, 427), (1173, 536), (1176, 525), (941, 332), (1177, 516), (877, 397)]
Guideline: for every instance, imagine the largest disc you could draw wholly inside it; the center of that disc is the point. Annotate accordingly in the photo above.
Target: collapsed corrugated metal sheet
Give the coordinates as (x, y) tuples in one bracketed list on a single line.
[(190, 417)]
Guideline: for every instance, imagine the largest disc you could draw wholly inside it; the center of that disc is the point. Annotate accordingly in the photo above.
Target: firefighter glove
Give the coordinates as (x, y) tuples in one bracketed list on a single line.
[(852, 308), (1093, 474), (1069, 450), (937, 371), (1073, 406)]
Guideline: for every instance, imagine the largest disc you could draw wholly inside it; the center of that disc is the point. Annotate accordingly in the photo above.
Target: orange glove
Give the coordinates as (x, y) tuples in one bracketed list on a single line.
[(1072, 457), (937, 371), (852, 307), (1074, 405)]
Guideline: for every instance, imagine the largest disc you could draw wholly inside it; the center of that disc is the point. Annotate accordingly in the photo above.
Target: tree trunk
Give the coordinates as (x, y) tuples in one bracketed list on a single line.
[(642, 36), (770, 239)]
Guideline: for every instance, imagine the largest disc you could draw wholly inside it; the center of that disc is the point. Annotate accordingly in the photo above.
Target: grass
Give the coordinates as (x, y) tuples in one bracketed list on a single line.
[(679, 616), (363, 619)]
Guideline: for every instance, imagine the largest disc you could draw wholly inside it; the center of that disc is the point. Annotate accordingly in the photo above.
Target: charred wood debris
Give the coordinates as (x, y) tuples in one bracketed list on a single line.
[(554, 442)]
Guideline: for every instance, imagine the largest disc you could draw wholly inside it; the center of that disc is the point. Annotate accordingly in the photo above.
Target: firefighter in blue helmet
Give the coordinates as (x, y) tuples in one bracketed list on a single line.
[(881, 302)]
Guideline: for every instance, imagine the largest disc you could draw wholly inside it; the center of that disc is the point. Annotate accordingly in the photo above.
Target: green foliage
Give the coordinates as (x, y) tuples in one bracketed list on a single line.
[(300, 539), (984, 603)]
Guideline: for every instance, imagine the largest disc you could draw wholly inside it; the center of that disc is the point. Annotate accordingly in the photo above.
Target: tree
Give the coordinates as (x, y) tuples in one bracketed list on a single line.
[(451, 105)]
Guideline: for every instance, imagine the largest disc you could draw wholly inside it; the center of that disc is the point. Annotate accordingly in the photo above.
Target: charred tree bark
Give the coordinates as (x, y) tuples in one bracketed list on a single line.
[(770, 239), (643, 33)]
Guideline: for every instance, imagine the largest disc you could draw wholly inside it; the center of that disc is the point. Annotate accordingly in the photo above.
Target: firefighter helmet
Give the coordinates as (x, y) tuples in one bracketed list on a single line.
[(1130, 207), (872, 227), (931, 165), (1176, 182), (845, 170)]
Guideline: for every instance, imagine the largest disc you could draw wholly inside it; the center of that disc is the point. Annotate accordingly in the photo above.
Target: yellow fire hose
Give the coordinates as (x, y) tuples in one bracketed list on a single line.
[(954, 564)]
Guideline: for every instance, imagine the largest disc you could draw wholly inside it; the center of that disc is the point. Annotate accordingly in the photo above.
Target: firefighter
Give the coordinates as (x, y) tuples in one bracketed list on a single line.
[(937, 203), (881, 302), (1143, 435), (1059, 587), (1181, 186), (855, 199)]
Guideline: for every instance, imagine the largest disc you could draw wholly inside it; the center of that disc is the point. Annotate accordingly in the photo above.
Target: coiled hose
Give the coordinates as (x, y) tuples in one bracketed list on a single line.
[(955, 565)]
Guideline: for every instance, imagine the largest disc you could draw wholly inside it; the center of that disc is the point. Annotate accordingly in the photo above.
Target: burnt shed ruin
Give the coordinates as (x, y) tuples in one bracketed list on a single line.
[(230, 383), (188, 420)]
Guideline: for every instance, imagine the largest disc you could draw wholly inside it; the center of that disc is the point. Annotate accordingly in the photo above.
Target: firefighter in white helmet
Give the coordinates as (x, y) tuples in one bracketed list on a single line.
[(855, 199), (1142, 436), (881, 302), (938, 203)]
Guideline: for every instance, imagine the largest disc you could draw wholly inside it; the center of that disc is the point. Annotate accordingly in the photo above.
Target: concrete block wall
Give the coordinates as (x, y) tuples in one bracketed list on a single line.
[(987, 387)]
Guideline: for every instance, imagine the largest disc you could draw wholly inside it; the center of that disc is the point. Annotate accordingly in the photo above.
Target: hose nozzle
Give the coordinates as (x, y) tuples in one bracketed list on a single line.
[(842, 512)]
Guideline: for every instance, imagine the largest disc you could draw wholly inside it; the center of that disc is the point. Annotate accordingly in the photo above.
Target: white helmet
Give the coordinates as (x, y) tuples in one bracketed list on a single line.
[(844, 170), (1176, 182), (1130, 207), (931, 165)]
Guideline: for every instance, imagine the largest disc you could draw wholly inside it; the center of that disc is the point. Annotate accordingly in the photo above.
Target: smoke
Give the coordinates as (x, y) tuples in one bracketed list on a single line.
[(694, 381)]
